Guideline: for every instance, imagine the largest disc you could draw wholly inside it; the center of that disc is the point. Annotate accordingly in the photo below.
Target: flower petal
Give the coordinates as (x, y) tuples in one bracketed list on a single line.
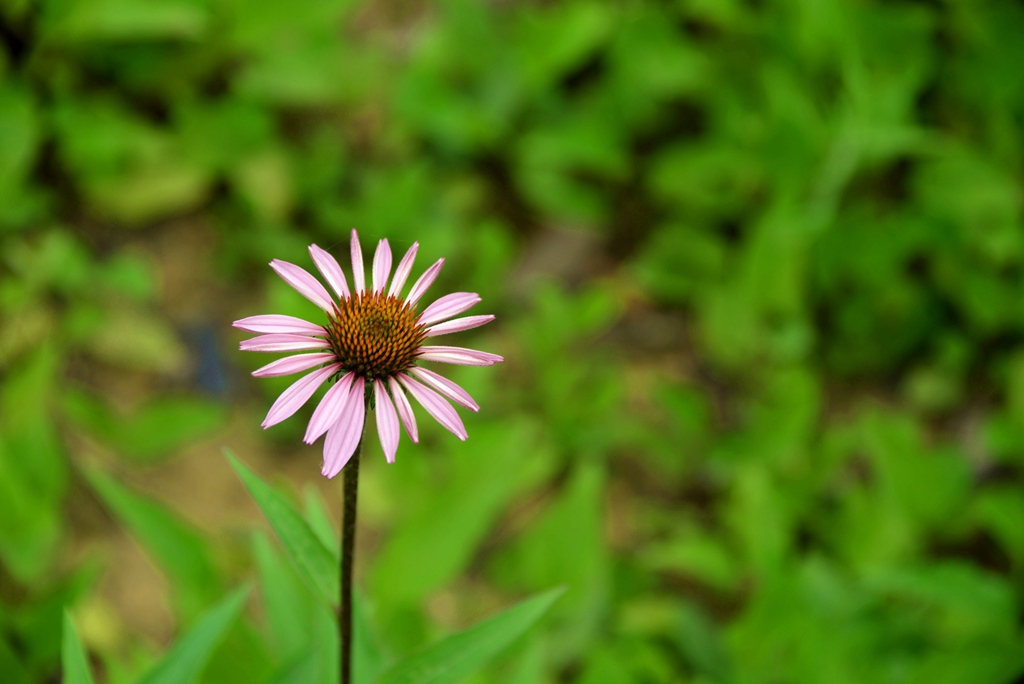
[(293, 364), (283, 343), (450, 305), (343, 438), (329, 409), (459, 356), (404, 410), (277, 323), (358, 275), (387, 421), (330, 270), (403, 270), (425, 281), (381, 265), (435, 405), (305, 284), (445, 387), (458, 325), (297, 394)]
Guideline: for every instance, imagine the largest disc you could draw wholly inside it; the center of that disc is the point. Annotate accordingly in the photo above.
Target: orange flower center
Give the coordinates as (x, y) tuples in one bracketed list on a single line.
[(375, 334)]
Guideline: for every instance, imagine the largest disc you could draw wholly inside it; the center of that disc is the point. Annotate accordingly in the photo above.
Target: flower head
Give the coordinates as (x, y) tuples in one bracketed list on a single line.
[(369, 347)]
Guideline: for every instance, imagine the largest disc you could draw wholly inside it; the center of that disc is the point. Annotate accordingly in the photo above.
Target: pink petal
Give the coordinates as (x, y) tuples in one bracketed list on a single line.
[(329, 409), (305, 284), (387, 421), (448, 306), (381, 266), (293, 364), (358, 275), (459, 356), (445, 387), (330, 270), (404, 410), (283, 343), (277, 323), (402, 272), (458, 325), (435, 405), (343, 438), (425, 281), (297, 394)]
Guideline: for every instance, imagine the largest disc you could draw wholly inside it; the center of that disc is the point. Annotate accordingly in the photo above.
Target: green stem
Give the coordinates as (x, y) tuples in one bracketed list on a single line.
[(348, 538)]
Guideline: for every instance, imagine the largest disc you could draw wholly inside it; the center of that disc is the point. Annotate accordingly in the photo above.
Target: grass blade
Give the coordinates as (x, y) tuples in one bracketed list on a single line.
[(73, 661), (317, 565), (185, 661), (458, 656)]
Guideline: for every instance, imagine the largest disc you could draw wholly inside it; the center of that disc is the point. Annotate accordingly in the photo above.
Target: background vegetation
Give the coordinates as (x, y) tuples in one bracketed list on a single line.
[(758, 274)]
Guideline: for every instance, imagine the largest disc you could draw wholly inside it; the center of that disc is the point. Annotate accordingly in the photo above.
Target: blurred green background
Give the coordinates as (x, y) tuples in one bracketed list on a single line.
[(757, 268)]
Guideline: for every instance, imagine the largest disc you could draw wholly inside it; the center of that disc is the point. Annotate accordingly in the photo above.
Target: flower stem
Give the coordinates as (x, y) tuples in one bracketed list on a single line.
[(348, 538)]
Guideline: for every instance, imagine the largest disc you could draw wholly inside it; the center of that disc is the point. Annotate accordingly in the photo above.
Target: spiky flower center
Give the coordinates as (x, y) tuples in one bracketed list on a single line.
[(375, 334)]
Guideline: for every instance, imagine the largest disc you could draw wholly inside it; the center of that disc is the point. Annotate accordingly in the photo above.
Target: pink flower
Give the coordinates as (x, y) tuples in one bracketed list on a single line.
[(370, 348)]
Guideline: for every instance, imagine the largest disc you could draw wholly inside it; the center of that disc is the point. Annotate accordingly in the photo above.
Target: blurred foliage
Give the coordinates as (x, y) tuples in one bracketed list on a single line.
[(764, 418)]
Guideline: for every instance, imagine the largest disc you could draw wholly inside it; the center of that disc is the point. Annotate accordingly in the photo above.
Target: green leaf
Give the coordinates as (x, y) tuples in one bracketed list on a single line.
[(970, 663), (12, 667), (1000, 511), (551, 44), (264, 180), (966, 602), (368, 661), (698, 638), (286, 600), (303, 633), (139, 340), (91, 20), (168, 423), (187, 658), (31, 628), (128, 168), (289, 609), (30, 529), (151, 431), (526, 663), (566, 547), (301, 670), (444, 532), (320, 519), (33, 467), (72, 656), (462, 654), (19, 137), (305, 75), (27, 408), (317, 565), (695, 552), (178, 548), (929, 484)]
